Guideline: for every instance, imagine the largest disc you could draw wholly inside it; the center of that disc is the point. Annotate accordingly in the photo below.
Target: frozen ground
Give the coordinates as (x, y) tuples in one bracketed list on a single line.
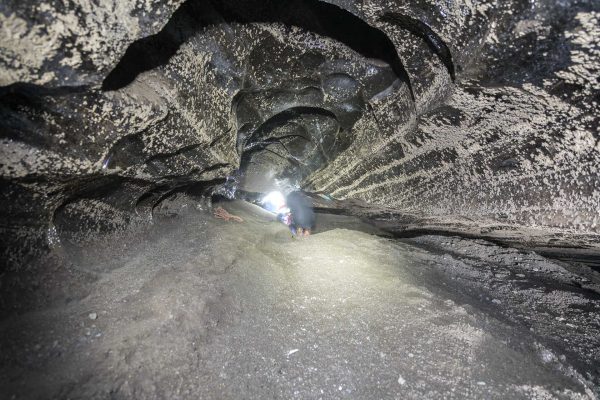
[(214, 309)]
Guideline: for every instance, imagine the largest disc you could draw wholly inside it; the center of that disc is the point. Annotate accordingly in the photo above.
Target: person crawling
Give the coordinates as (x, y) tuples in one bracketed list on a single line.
[(302, 215)]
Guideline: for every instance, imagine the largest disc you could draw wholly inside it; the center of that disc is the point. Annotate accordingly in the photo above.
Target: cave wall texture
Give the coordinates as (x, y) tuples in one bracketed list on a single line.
[(453, 109)]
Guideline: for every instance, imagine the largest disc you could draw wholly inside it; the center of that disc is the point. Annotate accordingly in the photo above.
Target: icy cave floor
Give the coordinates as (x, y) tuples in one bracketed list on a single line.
[(215, 309)]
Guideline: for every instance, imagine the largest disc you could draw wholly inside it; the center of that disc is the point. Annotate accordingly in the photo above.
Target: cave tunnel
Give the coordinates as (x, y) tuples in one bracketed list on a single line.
[(450, 151)]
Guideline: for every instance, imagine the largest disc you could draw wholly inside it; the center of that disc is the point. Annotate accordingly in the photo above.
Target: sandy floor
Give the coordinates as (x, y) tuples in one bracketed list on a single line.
[(214, 309)]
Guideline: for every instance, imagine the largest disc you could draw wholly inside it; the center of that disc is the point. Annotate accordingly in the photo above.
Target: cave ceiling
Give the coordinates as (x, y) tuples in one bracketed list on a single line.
[(479, 109)]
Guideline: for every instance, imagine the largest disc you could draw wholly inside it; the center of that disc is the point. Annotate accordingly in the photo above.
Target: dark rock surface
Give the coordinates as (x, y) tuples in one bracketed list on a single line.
[(460, 110)]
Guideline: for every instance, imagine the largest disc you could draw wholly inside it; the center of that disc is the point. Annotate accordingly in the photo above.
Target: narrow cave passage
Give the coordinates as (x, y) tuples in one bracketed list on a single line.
[(450, 150)]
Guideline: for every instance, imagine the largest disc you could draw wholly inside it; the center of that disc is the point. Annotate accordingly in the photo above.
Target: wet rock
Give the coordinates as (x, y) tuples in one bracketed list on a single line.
[(113, 116), (69, 44)]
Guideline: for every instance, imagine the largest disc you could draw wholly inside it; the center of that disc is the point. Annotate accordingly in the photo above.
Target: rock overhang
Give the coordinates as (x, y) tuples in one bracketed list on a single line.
[(425, 108)]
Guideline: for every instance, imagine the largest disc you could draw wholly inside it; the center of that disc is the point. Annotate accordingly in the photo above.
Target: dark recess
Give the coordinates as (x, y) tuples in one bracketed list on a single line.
[(422, 30), (282, 118)]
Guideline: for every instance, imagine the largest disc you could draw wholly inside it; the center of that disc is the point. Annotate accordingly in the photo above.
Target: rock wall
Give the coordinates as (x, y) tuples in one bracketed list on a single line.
[(517, 140), (453, 109)]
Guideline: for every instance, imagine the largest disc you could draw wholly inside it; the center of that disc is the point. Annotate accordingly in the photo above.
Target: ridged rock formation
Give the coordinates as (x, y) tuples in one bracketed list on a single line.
[(478, 110)]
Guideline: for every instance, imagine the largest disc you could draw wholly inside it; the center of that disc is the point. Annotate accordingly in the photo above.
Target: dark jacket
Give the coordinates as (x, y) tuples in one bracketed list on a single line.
[(301, 208)]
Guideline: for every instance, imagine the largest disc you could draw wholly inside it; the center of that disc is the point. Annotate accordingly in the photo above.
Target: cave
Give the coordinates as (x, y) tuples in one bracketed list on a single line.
[(450, 151)]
